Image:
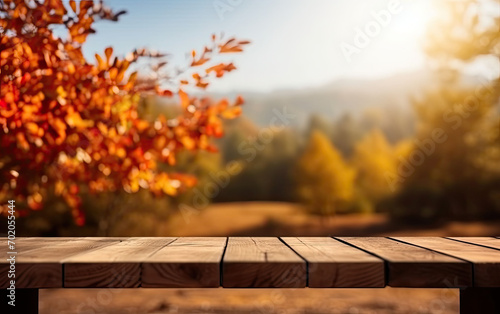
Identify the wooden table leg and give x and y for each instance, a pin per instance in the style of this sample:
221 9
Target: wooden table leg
26 301
480 300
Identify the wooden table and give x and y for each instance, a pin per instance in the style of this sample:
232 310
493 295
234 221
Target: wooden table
470 264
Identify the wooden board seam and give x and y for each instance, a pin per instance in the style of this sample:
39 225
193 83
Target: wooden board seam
142 264
464 260
221 263
199 271
63 265
307 263
386 264
262 262
473 243
449 255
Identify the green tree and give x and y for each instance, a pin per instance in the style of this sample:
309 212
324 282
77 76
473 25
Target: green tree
325 183
319 123
267 160
346 132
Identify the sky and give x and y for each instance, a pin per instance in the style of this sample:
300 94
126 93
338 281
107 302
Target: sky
295 43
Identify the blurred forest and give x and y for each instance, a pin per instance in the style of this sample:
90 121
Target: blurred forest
439 161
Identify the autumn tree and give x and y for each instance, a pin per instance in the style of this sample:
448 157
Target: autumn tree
459 175
325 182
374 160
68 123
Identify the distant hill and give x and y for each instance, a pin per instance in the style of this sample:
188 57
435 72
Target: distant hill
345 96
337 98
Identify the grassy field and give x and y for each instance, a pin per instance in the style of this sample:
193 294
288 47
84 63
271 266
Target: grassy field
284 219
273 219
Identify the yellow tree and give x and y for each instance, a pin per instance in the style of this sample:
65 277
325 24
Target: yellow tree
453 168
325 183
373 160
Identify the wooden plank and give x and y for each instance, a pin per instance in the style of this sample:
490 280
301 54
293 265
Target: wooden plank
26 244
486 261
490 242
57 251
41 267
51 239
45 274
112 266
185 263
331 263
263 262
414 267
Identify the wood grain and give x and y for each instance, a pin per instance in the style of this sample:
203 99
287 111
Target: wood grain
490 242
411 266
333 264
185 263
27 244
246 262
41 266
113 266
486 261
263 262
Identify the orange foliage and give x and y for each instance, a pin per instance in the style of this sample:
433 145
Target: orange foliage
67 122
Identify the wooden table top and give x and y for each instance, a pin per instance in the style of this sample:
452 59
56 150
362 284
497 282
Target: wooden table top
254 262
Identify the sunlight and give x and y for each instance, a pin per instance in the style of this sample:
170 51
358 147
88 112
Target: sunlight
397 46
